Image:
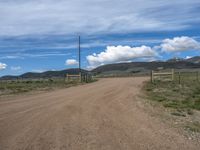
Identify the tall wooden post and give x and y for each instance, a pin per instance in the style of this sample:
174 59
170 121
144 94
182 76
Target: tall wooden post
79 56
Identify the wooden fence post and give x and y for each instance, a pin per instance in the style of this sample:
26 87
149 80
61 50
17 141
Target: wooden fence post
152 76
80 77
172 74
86 78
179 77
67 77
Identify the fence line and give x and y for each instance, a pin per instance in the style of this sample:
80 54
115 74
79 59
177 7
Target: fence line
72 76
169 75
172 75
81 77
181 76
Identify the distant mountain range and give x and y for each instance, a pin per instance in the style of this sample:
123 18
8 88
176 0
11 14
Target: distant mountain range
47 74
118 68
146 67
195 59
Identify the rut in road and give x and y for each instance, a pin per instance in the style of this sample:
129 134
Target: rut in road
105 115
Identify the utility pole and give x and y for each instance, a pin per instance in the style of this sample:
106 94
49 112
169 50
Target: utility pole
79 55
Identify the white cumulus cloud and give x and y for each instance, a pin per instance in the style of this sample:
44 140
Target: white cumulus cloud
2 66
15 68
188 57
71 62
114 54
178 44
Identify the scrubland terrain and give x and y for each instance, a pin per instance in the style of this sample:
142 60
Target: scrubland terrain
180 101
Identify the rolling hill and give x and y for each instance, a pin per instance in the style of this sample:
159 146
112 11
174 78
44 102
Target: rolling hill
118 68
146 67
143 67
47 74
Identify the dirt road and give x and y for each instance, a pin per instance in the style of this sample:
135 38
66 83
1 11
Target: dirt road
105 115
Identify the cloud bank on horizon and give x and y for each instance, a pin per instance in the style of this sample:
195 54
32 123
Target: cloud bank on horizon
115 54
42 34
179 44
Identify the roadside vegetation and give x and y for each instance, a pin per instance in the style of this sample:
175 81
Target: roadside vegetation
181 96
22 86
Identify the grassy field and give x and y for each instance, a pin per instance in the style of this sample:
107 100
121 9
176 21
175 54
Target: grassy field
183 96
16 87
182 99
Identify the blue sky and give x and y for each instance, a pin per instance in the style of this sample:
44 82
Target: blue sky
40 35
